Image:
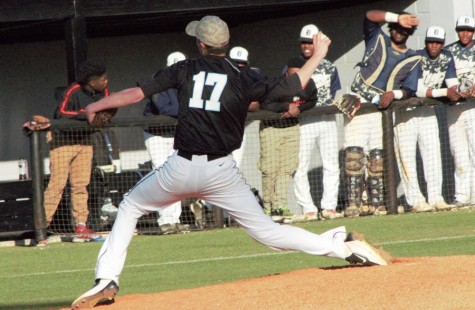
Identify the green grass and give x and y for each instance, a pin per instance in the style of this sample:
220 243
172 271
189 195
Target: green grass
51 277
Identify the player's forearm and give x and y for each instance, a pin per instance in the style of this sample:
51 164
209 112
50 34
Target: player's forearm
117 100
376 16
305 73
321 43
405 20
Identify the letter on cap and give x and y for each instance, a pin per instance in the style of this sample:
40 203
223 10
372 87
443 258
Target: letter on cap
435 34
239 53
307 33
465 22
175 57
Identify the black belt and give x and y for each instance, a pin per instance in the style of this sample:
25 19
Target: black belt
189 156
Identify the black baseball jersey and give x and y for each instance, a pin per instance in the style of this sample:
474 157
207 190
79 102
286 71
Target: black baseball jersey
214 96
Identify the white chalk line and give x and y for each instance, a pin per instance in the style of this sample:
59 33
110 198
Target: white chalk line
219 258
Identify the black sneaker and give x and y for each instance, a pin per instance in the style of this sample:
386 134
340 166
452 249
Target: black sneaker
102 292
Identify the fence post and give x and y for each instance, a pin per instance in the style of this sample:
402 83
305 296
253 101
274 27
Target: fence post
218 217
390 171
37 183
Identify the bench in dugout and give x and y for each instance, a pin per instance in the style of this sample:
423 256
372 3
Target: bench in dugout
16 206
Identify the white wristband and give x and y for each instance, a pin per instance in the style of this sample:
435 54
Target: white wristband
398 94
441 92
391 17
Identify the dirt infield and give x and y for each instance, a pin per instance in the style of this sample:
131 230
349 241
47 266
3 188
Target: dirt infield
408 283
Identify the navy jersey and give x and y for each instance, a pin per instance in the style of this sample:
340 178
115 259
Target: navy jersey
383 68
214 95
164 103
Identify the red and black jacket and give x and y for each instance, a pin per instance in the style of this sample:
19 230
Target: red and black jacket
72 106
75 100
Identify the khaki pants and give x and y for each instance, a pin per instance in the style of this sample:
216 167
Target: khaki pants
73 161
278 161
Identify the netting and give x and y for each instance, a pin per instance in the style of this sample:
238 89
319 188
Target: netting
321 162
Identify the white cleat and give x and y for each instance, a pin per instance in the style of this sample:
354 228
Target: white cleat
363 252
102 291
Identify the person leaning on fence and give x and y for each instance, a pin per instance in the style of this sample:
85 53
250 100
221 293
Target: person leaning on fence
318 131
71 151
279 141
418 126
461 116
385 59
159 144
214 97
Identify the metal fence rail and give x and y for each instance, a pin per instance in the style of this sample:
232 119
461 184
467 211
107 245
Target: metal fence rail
122 161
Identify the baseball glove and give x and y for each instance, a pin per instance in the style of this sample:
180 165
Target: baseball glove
348 104
36 123
103 117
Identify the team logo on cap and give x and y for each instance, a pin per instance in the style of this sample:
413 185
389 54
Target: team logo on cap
465 22
435 34
175 57
239 53
307 32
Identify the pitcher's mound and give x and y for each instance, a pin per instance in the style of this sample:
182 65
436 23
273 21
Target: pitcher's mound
408 283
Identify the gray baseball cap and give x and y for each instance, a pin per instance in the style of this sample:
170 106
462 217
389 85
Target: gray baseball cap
211 30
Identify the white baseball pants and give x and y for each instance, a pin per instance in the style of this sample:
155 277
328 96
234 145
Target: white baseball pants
239 153
419 126
159 148
219 182
470 127
321 132
459 147
365 131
